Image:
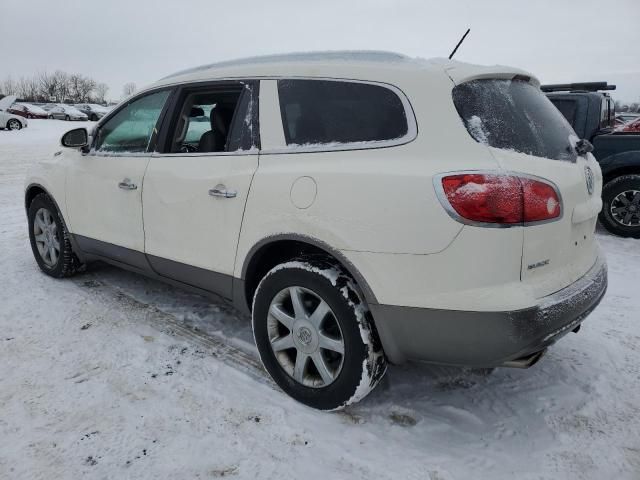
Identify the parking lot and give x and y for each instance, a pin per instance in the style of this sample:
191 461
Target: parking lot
113 375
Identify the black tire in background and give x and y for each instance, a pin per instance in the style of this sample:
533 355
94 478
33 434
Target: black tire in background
67 118
94 117
67 263
14 124
363 363
613 196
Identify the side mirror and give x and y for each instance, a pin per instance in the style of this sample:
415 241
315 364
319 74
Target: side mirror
583 147
75 138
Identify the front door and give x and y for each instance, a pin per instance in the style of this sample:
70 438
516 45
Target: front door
196 187
104 187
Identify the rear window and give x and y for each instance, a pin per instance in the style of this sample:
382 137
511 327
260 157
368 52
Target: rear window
567 108
514 115
333 112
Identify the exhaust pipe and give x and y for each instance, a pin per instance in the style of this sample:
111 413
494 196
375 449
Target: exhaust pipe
526 361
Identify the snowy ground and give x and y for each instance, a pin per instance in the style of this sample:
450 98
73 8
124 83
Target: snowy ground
111 375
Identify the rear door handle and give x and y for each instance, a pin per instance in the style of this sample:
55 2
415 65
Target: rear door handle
221 191
127 184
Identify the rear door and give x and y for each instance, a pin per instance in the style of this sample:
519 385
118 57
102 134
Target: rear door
196 187
528 135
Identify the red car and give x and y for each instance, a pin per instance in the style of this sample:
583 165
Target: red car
633 126
27 110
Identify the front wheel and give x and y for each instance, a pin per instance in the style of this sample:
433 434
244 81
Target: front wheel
14 124
49 239
315 334
621 206
67 118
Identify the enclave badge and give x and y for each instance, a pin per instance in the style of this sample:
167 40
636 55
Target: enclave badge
588 173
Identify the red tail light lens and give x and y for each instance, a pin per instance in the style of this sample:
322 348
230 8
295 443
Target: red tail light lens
501 199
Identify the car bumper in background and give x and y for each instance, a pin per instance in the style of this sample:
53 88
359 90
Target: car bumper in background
488 339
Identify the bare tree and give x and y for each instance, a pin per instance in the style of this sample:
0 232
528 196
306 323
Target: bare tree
101 92
129 89
9 86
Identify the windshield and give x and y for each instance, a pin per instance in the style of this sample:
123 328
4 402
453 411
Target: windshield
514 115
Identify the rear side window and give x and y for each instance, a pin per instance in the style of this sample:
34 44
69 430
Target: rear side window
320 112
567 108
514 115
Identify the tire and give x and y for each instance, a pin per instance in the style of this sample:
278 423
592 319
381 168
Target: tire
14 124
66 117
50 117
94 117
615 193
350 375
66 262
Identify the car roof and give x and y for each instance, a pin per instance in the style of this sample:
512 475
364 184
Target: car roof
353 64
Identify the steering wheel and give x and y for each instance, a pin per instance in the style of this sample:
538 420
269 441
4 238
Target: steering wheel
186 148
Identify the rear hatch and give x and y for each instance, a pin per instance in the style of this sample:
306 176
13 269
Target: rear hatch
528 136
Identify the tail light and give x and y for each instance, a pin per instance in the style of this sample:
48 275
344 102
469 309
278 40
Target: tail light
496 199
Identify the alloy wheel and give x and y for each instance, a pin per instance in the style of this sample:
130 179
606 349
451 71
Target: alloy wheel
625 208
305 337
47 238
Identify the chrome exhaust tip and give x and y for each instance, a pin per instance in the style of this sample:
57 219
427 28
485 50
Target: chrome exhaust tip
526 361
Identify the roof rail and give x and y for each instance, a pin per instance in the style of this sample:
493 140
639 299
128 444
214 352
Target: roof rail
577 87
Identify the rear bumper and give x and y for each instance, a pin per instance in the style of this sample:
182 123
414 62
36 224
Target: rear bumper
487 339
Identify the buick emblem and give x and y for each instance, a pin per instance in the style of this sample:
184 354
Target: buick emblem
304 335
588 173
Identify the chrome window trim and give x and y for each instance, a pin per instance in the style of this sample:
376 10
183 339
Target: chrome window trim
444 201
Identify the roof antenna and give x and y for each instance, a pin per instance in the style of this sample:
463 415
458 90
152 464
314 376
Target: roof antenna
459 43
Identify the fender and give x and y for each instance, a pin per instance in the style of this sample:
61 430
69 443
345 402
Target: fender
238 288
620 161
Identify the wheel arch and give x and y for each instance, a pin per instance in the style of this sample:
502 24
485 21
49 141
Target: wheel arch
620 171
276 249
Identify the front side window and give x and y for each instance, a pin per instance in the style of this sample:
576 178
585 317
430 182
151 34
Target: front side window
514 115
214 119
321 112
131 129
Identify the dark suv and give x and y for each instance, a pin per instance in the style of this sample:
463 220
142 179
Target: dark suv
590 110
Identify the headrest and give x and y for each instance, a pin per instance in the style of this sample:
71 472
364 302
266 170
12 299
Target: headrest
221 119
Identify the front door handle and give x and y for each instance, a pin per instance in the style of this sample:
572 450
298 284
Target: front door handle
127 184
221 191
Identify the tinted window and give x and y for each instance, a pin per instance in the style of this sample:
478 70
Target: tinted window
322 111
514 115
131 128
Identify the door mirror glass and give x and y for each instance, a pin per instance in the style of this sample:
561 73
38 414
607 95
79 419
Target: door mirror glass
75 138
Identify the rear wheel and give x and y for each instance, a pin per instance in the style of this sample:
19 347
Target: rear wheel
14 124
315 334
49 239
621 206
94 117
66 117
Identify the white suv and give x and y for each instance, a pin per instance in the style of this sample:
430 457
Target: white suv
365 207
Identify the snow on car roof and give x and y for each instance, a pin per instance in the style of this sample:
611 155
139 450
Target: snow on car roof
363 64
337 55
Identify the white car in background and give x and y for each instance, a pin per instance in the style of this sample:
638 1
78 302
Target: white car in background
66 112
364 207
9 120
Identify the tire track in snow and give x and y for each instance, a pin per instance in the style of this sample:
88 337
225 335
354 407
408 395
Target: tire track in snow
214 345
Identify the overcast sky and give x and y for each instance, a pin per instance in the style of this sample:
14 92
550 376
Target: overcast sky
119 41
